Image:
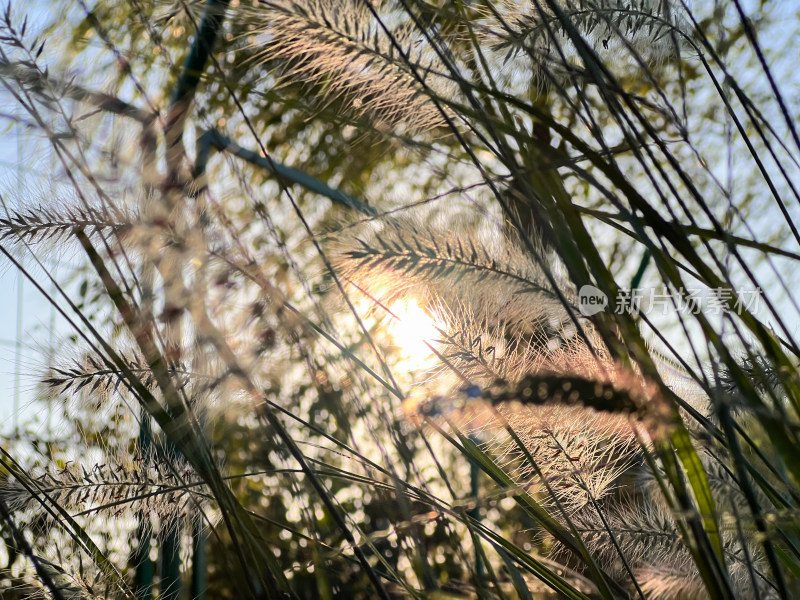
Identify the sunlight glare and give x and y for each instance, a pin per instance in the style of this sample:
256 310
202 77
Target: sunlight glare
410 331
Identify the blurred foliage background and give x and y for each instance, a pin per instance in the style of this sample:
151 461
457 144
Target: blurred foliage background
250 251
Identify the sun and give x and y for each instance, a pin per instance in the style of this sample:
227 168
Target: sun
413 331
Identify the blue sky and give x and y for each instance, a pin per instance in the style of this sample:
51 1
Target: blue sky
26 319
30 328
